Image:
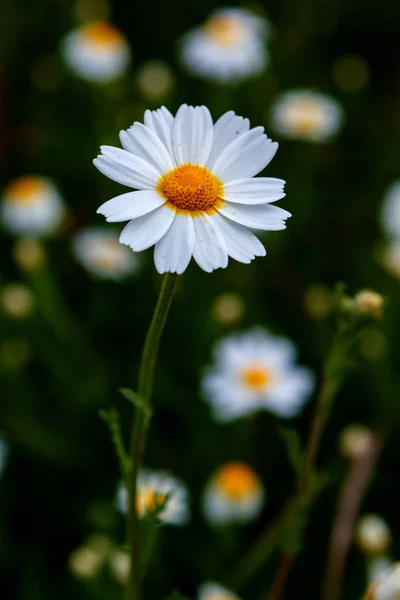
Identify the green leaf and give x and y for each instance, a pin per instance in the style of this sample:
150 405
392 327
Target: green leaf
111 418
139 402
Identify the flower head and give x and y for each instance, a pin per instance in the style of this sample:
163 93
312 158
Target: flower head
256 371
391 211
153 489
213 591
97 52
234 494
230 46
31 206
197 196
100 252
306 115
387 586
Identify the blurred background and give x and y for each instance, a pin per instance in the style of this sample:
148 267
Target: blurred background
73 320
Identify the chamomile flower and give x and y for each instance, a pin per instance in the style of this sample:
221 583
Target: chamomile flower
153 488
31 205
234 494
386 586
256 371
229 46
99 251
391 211
213 591
97 52
197 192
306 115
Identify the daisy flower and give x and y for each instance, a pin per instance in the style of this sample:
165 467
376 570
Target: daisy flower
197 196
306 115
256 371
31 205
153 487
387 586
99 251
391 211
229 46
373 534
213 591
97 52
234 494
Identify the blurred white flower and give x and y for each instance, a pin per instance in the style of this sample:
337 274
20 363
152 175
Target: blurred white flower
234 494
256 371
97 52
213 591
387 586
99 251
155 80
373 534
229 46
153 488
31 205
391 211
306 115
377 566
390 258
198 195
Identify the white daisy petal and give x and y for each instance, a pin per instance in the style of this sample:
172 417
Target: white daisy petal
226 130
210 250
254 191
161 123
242 244
143 232
134 169
130 206
192 135
174 250
246 156
142 142
260 216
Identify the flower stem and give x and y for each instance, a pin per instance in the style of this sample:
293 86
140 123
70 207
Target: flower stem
141 425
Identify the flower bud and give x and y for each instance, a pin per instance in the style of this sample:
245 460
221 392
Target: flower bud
370 303
29 254
16 300
373 534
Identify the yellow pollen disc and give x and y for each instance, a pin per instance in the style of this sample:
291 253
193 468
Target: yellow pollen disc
224 30
237 480
191 188
25 190
102 34
257 377
307 117
147 500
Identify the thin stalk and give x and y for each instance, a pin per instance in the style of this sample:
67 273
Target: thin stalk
141 425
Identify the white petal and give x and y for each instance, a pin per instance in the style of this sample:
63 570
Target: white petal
209 247
258 190
174 250
192 135
143 232
134 169
242 244
260 216
226 130
130 206
161 122
246 156
142 142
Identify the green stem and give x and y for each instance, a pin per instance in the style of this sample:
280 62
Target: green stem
141 425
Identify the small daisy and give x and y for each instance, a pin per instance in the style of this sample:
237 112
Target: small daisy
97 52
306 115
214 591
197 192
31 205
99 251
387 586
256 371
230 46
234 494
389 258
391 211
153 487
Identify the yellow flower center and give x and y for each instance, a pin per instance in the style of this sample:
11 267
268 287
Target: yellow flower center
191 188
307 117
257 377
102 34
237 480
109 255
224 30
147 501
25 190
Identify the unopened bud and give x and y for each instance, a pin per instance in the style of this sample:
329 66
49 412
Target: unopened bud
16 300
373 534
370 303
354 441
29 254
